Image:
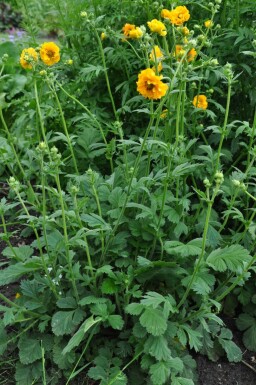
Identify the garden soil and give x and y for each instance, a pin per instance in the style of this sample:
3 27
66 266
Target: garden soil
209 373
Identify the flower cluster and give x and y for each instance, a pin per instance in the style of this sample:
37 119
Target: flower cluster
177 16
131 31
49 53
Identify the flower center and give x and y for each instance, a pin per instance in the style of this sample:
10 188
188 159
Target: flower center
50 54
150 86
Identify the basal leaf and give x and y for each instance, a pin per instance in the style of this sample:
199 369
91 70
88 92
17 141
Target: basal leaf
159 373
230 258
29 350
157 347
153 321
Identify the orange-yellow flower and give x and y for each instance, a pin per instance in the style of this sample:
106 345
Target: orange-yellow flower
179 15
157 27
17 295
200 101
185 31
208 23
165 13
156 53
150 85
28 58
179 51
159 68
131 31
191 55
50 53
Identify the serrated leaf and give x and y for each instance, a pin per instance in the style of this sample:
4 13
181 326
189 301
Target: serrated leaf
14 272
79 335
182 381
234 353
67 303
64 361
108 286
159 373
230 258
176 364
116 322
153 299
22 253
194 338
248 323
157 347
29 350
64 322
153 321
134 308
88 300
28 374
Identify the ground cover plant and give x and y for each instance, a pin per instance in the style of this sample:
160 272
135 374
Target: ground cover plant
132 169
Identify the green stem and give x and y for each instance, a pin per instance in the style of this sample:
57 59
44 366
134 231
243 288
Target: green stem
41 121
16 156
87 250
197 267
91 116
237 281
125 367
7 238
106 74
64 124
39 245
223 132
64 225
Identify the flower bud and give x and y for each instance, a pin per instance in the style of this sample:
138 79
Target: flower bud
207 183
74 189
236 183
219 177
83 14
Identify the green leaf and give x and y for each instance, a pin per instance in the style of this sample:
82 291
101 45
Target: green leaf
134 308
108 286
234 353
185 250
230 258
64 322
28 374
88 300
182 381
64 361
159 373
29 350
67 303
14 272
153 321
176 364
116 322
96 221
153 299
194 338
79 335
3 338
22 253
157 347
248 323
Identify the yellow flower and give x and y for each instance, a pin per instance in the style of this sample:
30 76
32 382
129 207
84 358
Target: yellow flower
156 53
103 36
150 85
208 23
179 15
165 13
200 101
179 51
17 295
191 55
131 31
157 26
185 31
28 58
164 114
136 33
159 67
50 53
